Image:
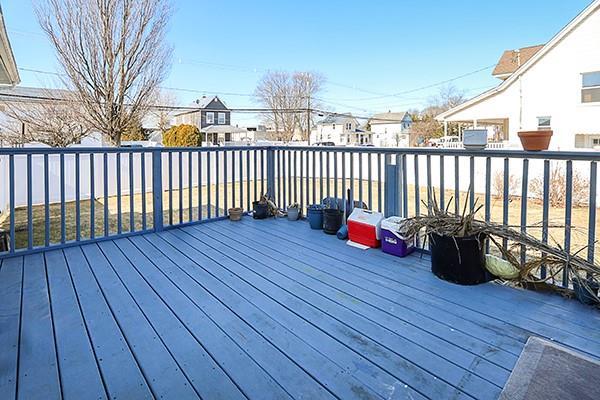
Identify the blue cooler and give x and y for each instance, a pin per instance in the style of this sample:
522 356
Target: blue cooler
391 241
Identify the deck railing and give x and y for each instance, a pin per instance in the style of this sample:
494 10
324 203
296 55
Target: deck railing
53 198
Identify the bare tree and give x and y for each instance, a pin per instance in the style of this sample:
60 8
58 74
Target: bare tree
57 123
113 53
164 114
289 97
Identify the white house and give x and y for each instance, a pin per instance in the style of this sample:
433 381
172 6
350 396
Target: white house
391 129
9 75
554 86
341 130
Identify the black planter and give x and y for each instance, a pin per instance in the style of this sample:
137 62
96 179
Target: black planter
332 220
459 260
261 210
583 295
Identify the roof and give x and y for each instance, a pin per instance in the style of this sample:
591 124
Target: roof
570 27
9 75
202 104
388 118
511 60
223 129
335 119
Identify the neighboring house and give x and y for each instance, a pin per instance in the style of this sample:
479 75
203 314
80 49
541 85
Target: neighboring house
555 86
213 118
342 130
391 129
9 74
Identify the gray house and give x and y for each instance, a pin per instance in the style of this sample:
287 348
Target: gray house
213 118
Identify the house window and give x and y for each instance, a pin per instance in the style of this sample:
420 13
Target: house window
221 118
595 142
334 126
590 91
210 118
349 126
544 123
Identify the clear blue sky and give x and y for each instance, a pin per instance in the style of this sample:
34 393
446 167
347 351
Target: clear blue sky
385 47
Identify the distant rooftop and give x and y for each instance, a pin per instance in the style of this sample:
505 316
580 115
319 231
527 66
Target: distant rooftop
335 119
511 60
388 118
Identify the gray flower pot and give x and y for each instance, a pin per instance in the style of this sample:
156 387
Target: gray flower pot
293 213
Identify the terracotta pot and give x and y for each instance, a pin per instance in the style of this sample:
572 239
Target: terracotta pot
535 140
235 214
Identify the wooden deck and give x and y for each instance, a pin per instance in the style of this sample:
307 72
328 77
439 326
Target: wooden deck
261 310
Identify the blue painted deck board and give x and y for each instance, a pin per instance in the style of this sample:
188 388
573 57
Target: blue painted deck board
499 307
261 309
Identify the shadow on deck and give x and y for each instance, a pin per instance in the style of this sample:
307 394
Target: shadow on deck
260 310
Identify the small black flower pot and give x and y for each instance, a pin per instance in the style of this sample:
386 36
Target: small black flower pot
459 260
332 220
583 295
261 210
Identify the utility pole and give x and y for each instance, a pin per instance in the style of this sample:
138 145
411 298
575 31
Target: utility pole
308 118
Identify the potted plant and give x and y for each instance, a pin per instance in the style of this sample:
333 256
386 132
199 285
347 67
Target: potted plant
315 216
260 208
535 140
293 212
333 217
235 213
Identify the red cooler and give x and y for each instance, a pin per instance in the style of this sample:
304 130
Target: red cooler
364 227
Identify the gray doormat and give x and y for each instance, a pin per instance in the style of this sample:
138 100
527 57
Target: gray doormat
547 371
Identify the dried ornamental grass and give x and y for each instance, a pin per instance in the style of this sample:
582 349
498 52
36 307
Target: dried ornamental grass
539 254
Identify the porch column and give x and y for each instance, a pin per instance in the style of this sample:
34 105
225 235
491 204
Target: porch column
445 128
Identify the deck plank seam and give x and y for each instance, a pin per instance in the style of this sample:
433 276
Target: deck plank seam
210 318
112 315
182 370
545 325
85 324
343 344
475 355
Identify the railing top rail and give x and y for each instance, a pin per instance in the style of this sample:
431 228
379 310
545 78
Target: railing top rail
102 150
493 153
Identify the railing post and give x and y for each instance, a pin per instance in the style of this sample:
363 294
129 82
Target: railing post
157 191
271 171
392 188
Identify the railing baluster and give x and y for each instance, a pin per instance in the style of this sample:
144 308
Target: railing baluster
170 156
295 176
351 184
404 185
328 156
199 188
217 182
180 185
278 178
314 177
225 184
233 178
472 183
11 194
301 181
568 221
208 187
92 196
370 181
360 179
63 230
284 158
524 186
592 211
307 178
344 200
506 197
429 184
241 162
29 202
143 189
131 195
77 200
545 211
46 202
263 160
255 177
442 184
190 187
457 185
488 196
157 191
321 192
379 183
417 188
105 187
119 210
